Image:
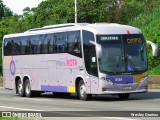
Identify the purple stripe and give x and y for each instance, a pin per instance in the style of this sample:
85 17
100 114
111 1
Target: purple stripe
123 79
53 88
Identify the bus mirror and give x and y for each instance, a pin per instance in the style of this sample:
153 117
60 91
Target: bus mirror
154 48
98 48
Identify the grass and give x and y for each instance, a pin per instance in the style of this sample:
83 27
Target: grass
155 71
7 118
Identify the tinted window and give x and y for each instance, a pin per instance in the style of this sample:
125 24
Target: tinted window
45 38
87 36
24 42
74 43
89 53
61 42
7 47
15 46
52 47
34 44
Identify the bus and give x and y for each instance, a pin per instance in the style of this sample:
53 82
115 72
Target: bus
81 58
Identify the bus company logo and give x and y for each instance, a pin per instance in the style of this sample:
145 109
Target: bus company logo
72 62
12 67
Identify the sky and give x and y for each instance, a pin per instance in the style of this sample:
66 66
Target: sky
17 6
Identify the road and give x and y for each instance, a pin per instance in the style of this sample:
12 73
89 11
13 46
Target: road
150 101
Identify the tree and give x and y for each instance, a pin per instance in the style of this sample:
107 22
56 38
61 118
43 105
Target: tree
1 9
4 11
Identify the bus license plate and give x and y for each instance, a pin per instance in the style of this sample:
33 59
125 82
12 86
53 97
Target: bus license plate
127 88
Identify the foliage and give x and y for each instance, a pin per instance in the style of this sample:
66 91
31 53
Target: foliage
143 14
149 24
155 71
4 11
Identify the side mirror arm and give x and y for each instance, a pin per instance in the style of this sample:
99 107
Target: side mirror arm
154 47
98 48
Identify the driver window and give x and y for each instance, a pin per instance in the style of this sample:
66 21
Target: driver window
89 53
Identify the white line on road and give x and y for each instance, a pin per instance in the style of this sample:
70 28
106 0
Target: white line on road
5 92
19 108
34 99
118 118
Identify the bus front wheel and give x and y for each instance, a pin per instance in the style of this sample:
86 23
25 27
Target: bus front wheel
82 91
20 87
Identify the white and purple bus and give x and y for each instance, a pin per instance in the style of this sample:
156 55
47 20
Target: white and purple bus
82 58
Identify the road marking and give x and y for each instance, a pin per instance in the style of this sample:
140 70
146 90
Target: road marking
16 108
34 99
118 118
5 92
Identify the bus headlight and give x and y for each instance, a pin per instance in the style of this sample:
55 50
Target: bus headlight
143 79
108 80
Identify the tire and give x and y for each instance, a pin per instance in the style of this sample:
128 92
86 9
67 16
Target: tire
28 91
124 96
82 91
20 89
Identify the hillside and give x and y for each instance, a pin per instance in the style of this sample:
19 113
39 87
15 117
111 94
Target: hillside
149 23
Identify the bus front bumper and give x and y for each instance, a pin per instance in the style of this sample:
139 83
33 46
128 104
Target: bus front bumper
106 88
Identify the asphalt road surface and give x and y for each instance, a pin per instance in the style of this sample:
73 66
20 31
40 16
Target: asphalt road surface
96 108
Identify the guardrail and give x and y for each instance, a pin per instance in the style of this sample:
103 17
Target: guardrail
154 82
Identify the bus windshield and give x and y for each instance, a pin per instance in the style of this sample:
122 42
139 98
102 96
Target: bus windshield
122 53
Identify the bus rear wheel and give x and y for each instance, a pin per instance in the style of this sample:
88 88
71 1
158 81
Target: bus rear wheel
124 96
20 88
28 91
82 91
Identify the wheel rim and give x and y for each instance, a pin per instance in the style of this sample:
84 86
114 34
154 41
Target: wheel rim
20 88
27 88
82 90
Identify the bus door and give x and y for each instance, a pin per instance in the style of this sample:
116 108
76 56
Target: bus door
93 69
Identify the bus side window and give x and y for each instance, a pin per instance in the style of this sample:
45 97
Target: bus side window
15 46
40 43
23 46
52 44
34 44
7 47
28 45
46 39
61 43
74 43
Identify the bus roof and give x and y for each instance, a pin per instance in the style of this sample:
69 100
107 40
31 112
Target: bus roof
112 28
97 28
